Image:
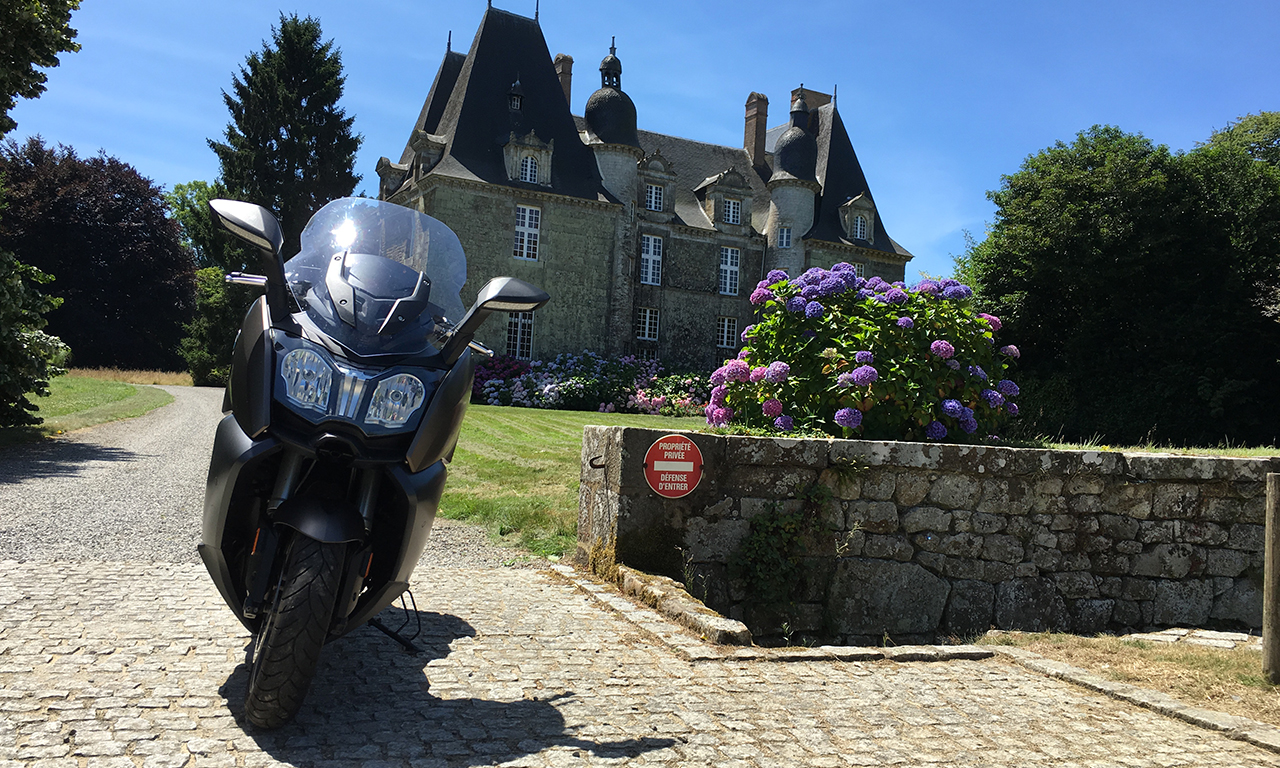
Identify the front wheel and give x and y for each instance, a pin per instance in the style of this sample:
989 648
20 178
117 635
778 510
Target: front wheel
287 647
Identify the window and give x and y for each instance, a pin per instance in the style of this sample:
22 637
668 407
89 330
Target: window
859 228
647 354
650 260
732 211
528 221
860 269
653 197
514 103
726 332
784 237
529 169
520 335
729 258
647 324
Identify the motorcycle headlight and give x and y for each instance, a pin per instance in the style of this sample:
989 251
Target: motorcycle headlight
395 400
308 379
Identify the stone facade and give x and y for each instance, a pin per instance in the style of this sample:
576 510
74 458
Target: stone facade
920 541
507 101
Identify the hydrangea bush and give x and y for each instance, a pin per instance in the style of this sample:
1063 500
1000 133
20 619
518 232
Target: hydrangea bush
589 382
865 358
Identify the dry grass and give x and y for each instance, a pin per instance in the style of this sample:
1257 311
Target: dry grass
1228 681
172 378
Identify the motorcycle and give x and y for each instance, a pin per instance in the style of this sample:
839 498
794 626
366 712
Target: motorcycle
349 381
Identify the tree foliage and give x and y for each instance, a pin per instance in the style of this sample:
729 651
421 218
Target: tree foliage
28 356
210 336
35 32
289 147
1139 285
1258 135
102 231
211 246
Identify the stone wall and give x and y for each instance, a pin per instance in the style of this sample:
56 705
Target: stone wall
922 541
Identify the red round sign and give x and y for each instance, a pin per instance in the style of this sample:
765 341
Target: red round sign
673 466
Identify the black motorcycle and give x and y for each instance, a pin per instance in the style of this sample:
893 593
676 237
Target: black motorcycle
348 385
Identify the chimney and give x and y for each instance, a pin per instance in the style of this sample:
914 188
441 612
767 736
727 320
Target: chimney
757 125
564 71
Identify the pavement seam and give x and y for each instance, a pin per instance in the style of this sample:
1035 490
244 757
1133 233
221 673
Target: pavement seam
1233 726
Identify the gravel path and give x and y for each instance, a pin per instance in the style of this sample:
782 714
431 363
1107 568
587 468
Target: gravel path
134 490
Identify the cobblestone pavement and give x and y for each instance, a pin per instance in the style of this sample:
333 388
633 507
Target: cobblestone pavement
105 665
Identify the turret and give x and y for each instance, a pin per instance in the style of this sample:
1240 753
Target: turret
611 130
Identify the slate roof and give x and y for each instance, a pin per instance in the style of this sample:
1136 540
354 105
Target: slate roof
475 119
694 162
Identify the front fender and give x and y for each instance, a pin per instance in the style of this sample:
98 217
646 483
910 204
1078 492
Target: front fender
331 521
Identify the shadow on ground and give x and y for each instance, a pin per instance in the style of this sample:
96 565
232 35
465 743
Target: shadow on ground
371 701
54 458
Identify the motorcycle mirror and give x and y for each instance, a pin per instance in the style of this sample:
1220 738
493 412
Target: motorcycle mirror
501 294
251 223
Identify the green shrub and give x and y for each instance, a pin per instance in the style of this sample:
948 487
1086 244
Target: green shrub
866 358
210 336
28 356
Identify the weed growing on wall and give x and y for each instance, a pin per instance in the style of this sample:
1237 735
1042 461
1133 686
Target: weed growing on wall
865 358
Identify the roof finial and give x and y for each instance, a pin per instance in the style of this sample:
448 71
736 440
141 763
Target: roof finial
613 45
835 93
536 3
448 43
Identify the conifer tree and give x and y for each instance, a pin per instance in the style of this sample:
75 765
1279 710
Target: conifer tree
289 146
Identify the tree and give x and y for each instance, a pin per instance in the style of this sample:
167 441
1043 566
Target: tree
102 231
1258 135
28 356
35 32
211 246
210 336
1136 284
289 147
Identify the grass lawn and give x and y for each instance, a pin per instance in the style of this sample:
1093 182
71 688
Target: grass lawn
1213 678
78 401
516 471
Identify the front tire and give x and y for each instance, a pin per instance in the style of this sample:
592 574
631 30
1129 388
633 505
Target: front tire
287 647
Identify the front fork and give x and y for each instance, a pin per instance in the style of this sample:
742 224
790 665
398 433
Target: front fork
262 556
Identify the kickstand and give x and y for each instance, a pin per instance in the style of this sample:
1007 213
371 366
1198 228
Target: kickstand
394 634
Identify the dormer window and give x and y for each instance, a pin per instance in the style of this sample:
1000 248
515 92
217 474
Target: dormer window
732 211
653 197
859 228
514 103
529 170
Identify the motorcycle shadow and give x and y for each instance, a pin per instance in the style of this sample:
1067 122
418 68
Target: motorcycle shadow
370 700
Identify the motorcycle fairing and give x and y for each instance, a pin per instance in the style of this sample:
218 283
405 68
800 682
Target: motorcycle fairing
252 366
438 434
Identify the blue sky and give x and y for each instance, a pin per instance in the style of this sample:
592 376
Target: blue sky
940 98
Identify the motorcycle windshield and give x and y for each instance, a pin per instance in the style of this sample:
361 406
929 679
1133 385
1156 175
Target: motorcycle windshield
360 277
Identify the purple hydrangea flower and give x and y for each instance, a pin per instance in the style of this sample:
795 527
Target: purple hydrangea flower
942 349
771 408
865 293
796 304
993 398
775 276
717 376
757 374
1011 351
814 310
844 266
1012 408
844 380
950 282
717 395
953 365
957 292
952 408
810 292
832 286
1007 388
906 322
929 288
809 333
976 371
864 375
992 321
849 417
936 430
777 372
896 296
761 295
783 423
864 357
719 417
737 370
746 332
762 284
967 421
744 353
875 283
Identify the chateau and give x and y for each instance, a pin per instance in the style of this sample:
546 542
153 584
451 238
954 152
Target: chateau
648 244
